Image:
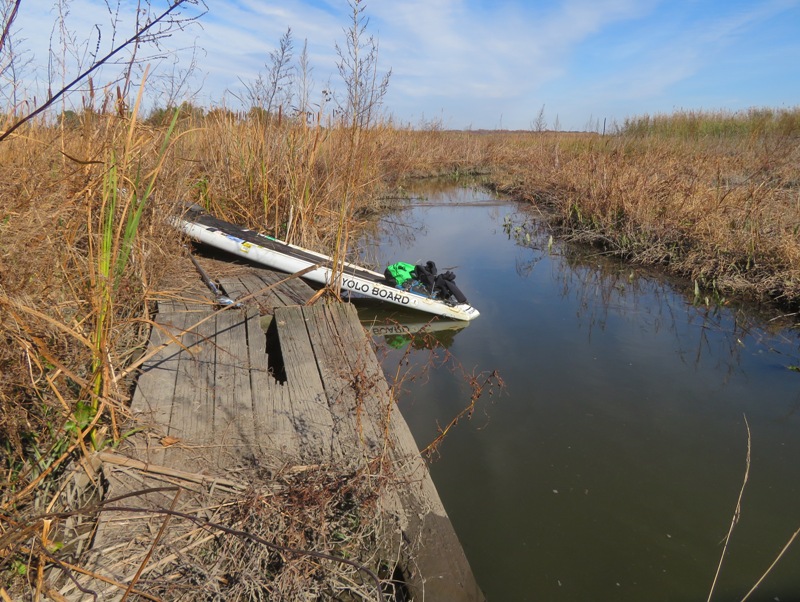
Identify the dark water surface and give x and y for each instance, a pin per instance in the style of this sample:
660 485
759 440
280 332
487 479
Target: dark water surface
610 466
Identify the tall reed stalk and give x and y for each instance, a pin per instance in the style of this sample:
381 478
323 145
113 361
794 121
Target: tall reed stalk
358 68
119 226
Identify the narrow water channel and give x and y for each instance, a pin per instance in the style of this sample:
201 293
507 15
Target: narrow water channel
609 466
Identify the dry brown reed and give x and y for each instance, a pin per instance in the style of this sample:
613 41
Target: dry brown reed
722 209
284 177
303 531
76 292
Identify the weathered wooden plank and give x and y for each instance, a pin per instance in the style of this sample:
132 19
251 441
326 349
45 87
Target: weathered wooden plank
268 289
236 289
251 284
362 394
311 414
193 400
233 401
285 292
232 286
275 435
341 359
295 291
195 378
196 300
152 399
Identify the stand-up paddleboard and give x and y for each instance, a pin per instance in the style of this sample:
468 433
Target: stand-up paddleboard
276 254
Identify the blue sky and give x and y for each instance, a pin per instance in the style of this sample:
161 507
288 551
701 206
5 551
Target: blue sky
485 65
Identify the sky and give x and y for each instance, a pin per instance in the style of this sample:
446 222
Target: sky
474 64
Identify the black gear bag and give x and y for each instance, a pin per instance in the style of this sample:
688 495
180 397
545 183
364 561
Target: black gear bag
442 285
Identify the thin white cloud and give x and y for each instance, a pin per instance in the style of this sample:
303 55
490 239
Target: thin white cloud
486 59
476 62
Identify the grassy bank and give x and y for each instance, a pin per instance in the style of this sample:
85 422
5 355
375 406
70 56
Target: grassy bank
85 245
711 197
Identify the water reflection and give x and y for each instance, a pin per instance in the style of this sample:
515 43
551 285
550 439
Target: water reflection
611 466
603 287
398 329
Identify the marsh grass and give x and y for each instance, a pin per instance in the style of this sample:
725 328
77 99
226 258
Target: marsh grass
696 125
722 209
85 244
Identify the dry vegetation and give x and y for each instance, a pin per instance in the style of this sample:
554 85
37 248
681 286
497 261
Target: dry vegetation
713 197
305 533
85 247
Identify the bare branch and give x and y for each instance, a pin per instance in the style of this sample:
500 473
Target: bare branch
266 89
12 64
145 33
358 68
8 23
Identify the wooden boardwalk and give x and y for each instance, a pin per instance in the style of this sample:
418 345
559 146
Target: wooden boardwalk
276 383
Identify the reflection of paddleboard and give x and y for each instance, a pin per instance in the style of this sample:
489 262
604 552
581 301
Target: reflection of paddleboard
273 253
379 329
402 326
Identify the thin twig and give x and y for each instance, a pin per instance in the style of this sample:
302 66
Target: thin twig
774 562
149 554
50 101
736 514
200 479
67 567
8 24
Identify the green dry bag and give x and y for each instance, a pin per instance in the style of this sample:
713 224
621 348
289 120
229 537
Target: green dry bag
399 272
